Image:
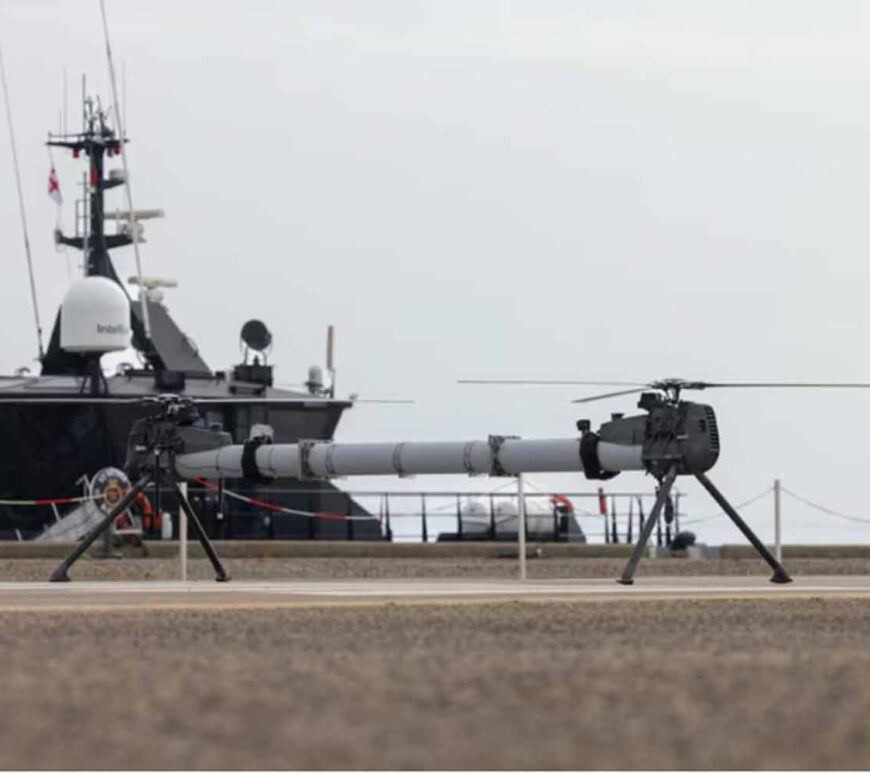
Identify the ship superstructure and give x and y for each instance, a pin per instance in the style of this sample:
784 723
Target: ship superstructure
69 422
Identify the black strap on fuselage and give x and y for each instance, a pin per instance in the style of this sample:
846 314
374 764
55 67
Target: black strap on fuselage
589 456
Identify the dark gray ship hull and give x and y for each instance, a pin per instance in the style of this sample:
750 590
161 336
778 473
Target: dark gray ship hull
50 444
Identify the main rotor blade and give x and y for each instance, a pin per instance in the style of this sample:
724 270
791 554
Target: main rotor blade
547 382
774 385
610 394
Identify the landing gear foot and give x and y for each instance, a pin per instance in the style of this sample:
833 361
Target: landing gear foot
780 576
59 577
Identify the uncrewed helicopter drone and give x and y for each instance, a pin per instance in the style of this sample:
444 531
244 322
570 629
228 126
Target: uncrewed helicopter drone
676 437
672 437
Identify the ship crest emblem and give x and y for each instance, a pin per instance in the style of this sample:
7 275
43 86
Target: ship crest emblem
107 487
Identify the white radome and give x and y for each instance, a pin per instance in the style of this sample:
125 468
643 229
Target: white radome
95 316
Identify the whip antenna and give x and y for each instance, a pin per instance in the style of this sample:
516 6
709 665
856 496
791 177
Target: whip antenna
330 358
21 207
119 119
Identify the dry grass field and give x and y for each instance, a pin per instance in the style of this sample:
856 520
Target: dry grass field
633 684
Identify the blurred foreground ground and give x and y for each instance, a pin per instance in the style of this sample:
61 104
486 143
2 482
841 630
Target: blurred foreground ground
628 684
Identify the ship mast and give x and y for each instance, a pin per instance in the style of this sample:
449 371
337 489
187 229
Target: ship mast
97 141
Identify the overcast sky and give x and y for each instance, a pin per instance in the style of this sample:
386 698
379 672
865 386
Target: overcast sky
594 190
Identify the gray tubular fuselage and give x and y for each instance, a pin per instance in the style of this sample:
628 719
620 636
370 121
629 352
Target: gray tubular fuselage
317 459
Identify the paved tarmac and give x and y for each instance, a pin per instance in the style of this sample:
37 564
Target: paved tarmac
243 594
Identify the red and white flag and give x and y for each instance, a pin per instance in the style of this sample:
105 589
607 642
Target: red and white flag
54 187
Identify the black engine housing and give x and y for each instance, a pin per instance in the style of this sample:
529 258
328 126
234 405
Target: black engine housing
681 433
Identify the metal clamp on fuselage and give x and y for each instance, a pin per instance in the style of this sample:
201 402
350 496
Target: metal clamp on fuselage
397 461
305 471
495 444
467 462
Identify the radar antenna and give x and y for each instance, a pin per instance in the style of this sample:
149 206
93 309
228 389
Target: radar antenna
256 337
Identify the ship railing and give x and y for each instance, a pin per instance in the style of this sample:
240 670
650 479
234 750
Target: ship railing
393 515
426 516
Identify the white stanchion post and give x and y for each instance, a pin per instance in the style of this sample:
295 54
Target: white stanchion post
521 524
777 521
182 533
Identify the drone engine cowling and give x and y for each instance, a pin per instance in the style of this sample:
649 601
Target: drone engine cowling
682 433
688 431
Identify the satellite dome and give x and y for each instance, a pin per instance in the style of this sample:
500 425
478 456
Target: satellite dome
315 379
95 317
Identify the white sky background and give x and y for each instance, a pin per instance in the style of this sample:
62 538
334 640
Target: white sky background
590 190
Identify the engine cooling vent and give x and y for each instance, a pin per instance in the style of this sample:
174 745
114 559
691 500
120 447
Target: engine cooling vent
713 427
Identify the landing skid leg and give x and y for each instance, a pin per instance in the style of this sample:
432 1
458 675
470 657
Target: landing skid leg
60 572
779 573
664 490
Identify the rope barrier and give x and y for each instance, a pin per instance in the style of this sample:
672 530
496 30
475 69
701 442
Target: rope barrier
59 501
748 502
822 509
280 508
